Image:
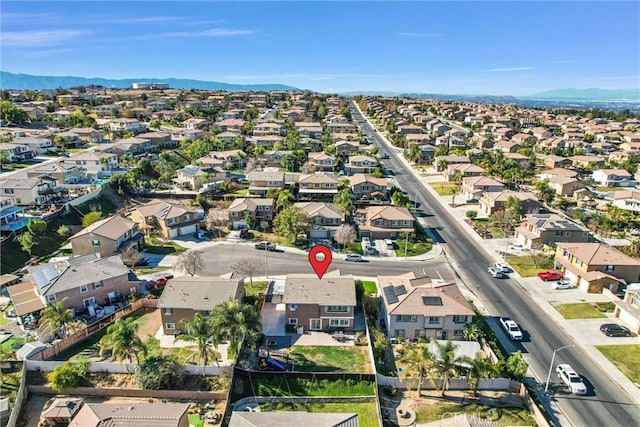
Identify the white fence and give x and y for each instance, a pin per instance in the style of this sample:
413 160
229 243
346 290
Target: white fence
80 200
454 383
124 368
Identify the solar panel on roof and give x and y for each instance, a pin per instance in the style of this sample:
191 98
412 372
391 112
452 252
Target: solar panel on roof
400 290
432 300
390 294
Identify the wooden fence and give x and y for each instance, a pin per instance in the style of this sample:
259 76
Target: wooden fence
132 392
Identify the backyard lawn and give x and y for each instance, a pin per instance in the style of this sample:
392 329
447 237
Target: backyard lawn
581 310
413 248
368 286
257 287
444 188
504 416
367 411
101 204
625 357
328 359
161 247
525 266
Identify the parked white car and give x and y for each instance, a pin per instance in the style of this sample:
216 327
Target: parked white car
511 328
353 257
563 284
571 379
502 266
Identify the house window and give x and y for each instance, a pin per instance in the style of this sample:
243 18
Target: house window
8 190
293 320
400 333
406 318
559 233
610 268
293 307
83 289
566 254
169 325
336 309
338 322
95 242
579 262
459 319
434 320
51 298
168 311
97 285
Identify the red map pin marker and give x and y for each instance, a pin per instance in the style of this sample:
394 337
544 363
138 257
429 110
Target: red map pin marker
320 257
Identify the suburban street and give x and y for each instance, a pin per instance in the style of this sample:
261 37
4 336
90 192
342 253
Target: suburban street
606 404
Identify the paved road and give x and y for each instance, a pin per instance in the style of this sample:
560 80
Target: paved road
607 404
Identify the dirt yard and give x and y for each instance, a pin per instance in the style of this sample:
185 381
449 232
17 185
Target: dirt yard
149 323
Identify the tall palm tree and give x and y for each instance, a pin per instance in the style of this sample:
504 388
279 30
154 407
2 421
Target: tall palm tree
420 362
200 330
236 323
472 332
56 316
123 341
478 368
446 362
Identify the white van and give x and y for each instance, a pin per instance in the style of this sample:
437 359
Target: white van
389 244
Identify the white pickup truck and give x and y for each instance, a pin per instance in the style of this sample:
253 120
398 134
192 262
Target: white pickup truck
511 328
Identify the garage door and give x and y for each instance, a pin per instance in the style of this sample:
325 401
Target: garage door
190 229
238 225
318 234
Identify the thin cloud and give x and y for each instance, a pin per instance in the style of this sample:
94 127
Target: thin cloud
30 53
507 69
420 35
39 37
214 32
147 19
562 61
305 76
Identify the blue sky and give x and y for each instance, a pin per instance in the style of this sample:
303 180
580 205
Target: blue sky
453 47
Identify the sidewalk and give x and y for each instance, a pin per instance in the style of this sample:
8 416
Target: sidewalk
577 330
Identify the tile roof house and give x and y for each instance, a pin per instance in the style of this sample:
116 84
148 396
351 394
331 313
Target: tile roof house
628 200
96 164
318 304
31 191
367 187
464 169
474 187
62 173
553 161
318 186
593 266
386 222
132 414
260 209
613 178
260 182
415 306
628 309
495 201
165 219
108 237
324 218
16 152
227 160
193 177
323 162
274 158
183 297
346 148
361 164
548 229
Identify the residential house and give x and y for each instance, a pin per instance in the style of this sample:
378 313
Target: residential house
427 153
539 230
506 146
549 173
10 215
61 172
361 164
524 139
492 202
628 309
267 128
367 187
613 178
130 414
587 161
193 177
188 134
165 219
274 158
309 129
414 306
228 138
231 125
195 123
95 164
564 186
553 161
474 187
341 128
418 139
347 148
16 152
261 182
107 237
442 162
318 186
481 142
540 132
462 170
125 125
32 191
133 145
293 418
62 410
156 138
319 304
593 266
628 200
410 130
324 218
523 162
37 145
183 297
386 222
267 141
245 208
323 162
227 160
88 135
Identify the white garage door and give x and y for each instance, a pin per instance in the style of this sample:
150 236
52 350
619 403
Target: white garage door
189 229
238 225
318 234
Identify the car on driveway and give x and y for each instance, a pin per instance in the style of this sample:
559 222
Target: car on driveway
495 273
511 328
549 275
199 235
571 379
615 330
353 257
502 266
264 245
563 284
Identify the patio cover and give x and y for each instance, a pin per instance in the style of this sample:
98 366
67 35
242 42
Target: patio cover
24 298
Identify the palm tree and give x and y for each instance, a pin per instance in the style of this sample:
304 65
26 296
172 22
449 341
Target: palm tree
420 361
200 331
237 324
446 362
56 316
478 368
472 332
123 341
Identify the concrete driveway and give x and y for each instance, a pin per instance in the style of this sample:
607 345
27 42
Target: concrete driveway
273 319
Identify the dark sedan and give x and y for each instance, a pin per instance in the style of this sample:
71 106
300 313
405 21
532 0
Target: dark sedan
615 330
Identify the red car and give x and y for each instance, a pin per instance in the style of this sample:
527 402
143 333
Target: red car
550 275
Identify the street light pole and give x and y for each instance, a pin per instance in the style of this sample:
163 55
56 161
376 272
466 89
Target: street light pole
546 386
266 264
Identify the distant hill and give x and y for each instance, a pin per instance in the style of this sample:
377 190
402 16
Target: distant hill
589 94
30 82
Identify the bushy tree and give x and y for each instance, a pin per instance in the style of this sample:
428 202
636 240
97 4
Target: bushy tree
90 218
516 367
63 231
26 242
236 323
472 214
158 373
37 227
69 374
345 235
291 222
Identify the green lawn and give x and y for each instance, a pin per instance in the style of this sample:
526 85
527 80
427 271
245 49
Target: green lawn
413 248
367 411
7 346
327 359
503 416
157 246
496 232
369 286
610 189
581 310
286 386
625 357
195 421
444 188
257 287
4 320
101 204
355 248
524 265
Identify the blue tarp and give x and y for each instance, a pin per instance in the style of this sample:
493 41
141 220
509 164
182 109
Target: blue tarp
275 363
